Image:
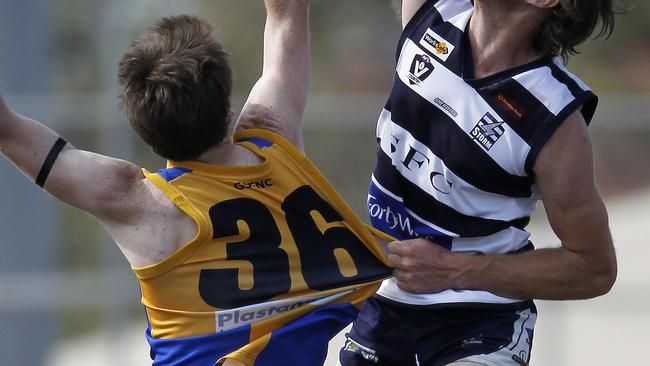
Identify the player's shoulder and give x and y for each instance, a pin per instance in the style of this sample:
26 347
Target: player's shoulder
456 12
125 195
558 89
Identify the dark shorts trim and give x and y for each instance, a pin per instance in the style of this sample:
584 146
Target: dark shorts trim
398 334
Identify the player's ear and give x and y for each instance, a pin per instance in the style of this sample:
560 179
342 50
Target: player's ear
544 4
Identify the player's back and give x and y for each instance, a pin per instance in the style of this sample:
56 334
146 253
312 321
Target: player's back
279 264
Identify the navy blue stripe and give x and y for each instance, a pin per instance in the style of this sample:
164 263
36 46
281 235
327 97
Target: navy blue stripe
429 209
589 107
588 103
445 139
551 126
454 36
466 62
518 107
508 73
564 78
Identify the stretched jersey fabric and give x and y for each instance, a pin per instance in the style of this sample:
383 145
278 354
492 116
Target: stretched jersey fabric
279 265
455 153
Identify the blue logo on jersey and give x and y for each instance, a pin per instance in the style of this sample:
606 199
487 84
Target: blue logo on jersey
421 68
390 216
488 131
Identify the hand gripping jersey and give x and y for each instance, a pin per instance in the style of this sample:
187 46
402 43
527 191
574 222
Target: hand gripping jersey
455 153
280 263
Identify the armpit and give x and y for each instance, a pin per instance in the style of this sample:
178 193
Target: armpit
258 116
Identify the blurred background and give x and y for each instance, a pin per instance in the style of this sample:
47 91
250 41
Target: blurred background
67 297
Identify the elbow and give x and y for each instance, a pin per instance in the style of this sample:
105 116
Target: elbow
605 276
609 279
5 116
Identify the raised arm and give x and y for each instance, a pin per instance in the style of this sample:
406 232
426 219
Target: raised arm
94 183
409 8
277 101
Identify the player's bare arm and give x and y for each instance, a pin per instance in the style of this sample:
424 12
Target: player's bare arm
409 8
583 267
277 101
565 176
112 190
94 183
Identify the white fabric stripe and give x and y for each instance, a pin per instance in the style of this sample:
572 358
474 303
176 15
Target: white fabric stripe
445 186
386 191
456 12
519 347
504 241
547 89
400 199
578 81
389 289
510 151
519 335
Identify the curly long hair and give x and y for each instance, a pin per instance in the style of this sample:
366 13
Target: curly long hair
572 22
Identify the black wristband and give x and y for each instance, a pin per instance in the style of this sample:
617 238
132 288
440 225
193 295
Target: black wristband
49 161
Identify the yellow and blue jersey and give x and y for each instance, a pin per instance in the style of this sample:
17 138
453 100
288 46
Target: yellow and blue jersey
279 265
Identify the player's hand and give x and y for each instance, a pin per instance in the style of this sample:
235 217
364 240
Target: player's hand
421 266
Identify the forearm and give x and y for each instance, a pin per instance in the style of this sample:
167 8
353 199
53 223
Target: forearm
285 8
549 274
286 46
277 101
286 54
584 267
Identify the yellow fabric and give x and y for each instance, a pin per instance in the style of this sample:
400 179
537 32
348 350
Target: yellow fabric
237 208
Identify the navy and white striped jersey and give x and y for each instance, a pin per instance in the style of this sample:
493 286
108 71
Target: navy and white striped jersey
455 153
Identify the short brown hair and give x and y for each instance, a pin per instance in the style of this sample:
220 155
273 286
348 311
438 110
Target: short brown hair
176 82
571 23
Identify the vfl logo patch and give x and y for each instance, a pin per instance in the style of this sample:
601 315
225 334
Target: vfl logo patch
436 44
487 131
421 69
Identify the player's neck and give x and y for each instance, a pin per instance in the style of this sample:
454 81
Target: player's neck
227 153
501 36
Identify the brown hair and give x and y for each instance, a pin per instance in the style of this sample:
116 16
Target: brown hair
176 82
571 23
